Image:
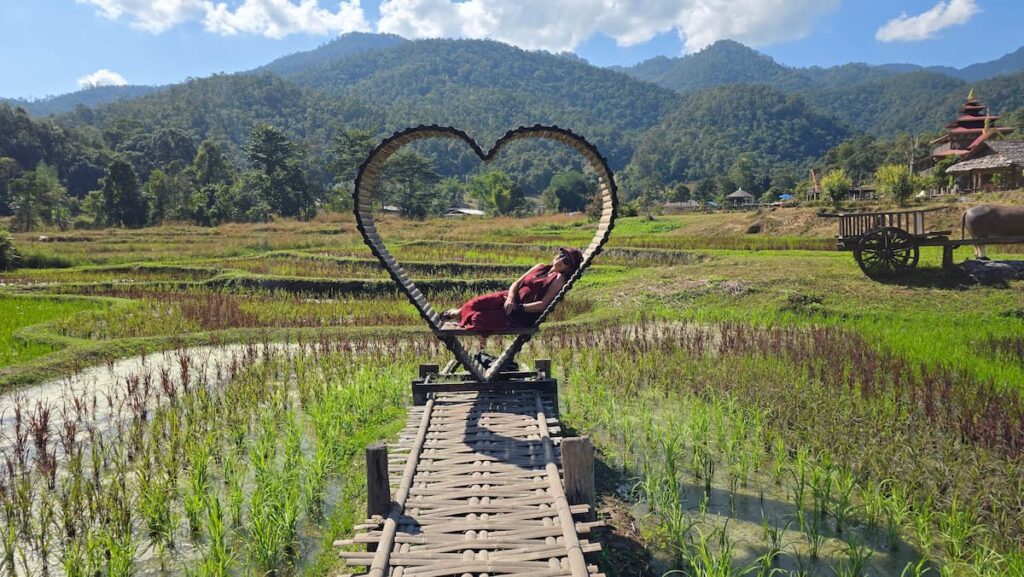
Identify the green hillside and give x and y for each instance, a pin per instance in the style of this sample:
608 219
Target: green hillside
712 128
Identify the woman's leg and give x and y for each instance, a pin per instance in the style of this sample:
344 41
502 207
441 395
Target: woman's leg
485 313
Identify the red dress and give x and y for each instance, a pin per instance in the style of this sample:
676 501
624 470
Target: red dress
486 313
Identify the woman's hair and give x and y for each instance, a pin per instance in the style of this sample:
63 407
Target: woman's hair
573 256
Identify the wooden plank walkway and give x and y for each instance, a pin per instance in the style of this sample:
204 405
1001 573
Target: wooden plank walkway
480 493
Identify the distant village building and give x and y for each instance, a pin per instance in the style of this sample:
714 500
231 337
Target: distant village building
973 126
740 198
461 211
990 165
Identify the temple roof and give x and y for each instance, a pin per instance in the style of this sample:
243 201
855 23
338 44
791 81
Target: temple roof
1001 154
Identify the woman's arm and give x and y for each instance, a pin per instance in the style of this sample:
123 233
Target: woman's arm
513 290
539 306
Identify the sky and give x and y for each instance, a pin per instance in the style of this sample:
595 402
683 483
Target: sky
57 46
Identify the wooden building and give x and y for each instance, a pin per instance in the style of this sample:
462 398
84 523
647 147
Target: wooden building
740 198
991 165
972 127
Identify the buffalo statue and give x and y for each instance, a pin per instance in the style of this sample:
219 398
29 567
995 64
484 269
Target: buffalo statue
992 221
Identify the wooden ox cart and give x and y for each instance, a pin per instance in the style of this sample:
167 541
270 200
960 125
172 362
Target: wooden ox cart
887 244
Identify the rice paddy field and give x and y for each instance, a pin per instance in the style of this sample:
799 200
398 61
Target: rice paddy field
196 401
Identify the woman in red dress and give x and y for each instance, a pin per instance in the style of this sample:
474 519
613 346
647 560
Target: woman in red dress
522 304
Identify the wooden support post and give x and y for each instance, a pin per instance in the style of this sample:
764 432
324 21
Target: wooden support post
543 366
419 398
578 472
947 255
378 486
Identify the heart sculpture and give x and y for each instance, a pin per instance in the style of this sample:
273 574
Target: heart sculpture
366 181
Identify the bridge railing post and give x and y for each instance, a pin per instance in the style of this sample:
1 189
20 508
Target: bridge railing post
578 473
378 485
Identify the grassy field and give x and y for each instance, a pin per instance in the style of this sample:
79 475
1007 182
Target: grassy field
758 404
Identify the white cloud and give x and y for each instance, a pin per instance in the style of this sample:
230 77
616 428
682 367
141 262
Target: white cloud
272 18
153 16
559 25
102 77
279 18
927 24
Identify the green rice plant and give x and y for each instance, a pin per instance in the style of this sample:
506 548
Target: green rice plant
897 509
873 502
822 483
857 562
919 569
923 520
706 463
198 485
815 536
958 527
677 525
780 458
218 559
773 535
710 559
155 506
843 508
120 554
9 541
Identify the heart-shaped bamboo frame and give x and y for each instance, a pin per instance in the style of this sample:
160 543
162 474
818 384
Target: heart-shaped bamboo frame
366 181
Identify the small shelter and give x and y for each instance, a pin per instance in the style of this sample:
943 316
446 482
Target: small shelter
993 164
460 211
740 198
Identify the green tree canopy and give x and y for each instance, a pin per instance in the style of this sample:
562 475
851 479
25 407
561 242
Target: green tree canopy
836 186
570 190
497 193
896 182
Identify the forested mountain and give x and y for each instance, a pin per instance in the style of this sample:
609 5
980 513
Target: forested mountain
286 138
85 97
340 47
881 100
487 88
710 129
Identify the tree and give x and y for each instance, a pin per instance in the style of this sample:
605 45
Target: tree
704 191
896 182
408 178
38 197
497 192
836 186
649 199
9 257
569 191
158 196
350 149
210 166
743 174
678 192
123 201
9 170
275 156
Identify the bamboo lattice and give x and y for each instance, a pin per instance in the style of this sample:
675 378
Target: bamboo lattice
480 494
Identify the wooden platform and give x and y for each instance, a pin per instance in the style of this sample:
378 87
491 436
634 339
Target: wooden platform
479 491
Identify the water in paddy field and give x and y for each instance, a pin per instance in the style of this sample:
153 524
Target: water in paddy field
95 395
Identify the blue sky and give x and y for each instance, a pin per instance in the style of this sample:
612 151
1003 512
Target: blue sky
54 46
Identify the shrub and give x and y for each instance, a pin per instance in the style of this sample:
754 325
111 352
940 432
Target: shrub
9 256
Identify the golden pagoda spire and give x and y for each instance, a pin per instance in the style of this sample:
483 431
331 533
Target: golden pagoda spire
970 95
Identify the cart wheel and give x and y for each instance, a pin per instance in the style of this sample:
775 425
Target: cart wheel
886 252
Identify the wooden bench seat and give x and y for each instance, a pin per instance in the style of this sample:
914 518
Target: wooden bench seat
464 332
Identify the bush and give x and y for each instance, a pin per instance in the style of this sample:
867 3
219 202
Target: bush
9 256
